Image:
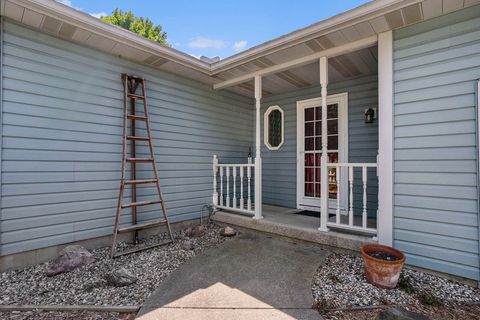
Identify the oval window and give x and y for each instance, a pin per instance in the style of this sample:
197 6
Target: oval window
273 133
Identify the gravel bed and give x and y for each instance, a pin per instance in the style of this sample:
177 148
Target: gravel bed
87 285
341 283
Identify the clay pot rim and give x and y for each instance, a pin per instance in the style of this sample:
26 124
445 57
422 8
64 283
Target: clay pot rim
379 247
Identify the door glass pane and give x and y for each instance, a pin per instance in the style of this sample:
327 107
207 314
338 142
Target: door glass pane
309 189
332 111
318 128
333 142
318 113
332 126
309 144
309 114
309 159
318 143
317 190
309 129
309 174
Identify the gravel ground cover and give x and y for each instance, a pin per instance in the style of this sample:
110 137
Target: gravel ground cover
340 283
80 315
87 285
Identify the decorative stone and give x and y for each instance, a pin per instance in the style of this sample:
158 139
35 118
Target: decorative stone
397 313
195 232
70 258
187 245
228 232
120 278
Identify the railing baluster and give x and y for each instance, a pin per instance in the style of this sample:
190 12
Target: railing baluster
234 173
215 187
221 186
350 210
337 178
364 181
249 175
241 188
227 169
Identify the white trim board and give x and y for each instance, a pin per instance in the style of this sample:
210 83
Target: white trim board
342 100
385 138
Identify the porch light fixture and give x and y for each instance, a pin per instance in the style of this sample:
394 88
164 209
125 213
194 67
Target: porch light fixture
370 115
273 133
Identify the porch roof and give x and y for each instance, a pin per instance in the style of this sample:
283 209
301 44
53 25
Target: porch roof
361 23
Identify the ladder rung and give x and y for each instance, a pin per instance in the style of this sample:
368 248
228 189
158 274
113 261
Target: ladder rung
140 203
135 96
138 138
142 226
140 181
119 254
134 117
139 159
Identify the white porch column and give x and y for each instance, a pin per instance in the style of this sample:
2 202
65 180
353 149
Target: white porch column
258 158
324 158
385 138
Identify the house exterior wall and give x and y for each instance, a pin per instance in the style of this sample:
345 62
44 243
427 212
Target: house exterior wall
436 66
62 140
280 166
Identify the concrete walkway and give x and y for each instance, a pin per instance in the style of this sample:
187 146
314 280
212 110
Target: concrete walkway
253 276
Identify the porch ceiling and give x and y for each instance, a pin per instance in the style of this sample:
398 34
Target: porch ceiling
351 65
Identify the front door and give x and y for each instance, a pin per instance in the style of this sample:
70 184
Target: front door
309 149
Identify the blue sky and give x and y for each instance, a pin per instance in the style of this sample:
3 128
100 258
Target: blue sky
222 27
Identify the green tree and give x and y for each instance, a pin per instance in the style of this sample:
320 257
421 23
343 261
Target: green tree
139 25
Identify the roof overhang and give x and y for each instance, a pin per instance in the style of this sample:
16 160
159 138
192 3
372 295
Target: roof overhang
363 23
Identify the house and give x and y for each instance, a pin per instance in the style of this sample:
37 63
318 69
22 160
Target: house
393 84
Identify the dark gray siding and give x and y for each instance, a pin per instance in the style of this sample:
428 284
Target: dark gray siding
280 167
436 65
62 125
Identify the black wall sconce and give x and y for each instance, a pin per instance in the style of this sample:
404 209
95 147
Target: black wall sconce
370 115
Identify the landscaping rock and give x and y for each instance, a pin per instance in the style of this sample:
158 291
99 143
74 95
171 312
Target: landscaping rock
228 232
70 258
120 278
195 232
400 314
187 245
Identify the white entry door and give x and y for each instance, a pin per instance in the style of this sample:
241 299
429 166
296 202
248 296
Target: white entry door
309 149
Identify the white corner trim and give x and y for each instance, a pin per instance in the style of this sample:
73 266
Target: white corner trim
266 127
385 138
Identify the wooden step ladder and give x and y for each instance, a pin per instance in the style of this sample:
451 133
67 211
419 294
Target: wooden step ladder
130 86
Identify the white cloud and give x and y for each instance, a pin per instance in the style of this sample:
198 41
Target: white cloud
69 3
99 14
239 45
202 42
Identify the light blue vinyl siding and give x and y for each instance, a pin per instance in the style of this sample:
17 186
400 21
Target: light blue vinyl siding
280 166
62 126
436 66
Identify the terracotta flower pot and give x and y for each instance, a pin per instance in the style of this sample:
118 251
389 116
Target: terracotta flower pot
380 272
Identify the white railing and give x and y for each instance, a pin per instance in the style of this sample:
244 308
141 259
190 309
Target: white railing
232 186
344 218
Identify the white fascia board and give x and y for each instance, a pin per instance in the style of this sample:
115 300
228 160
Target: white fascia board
87 22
